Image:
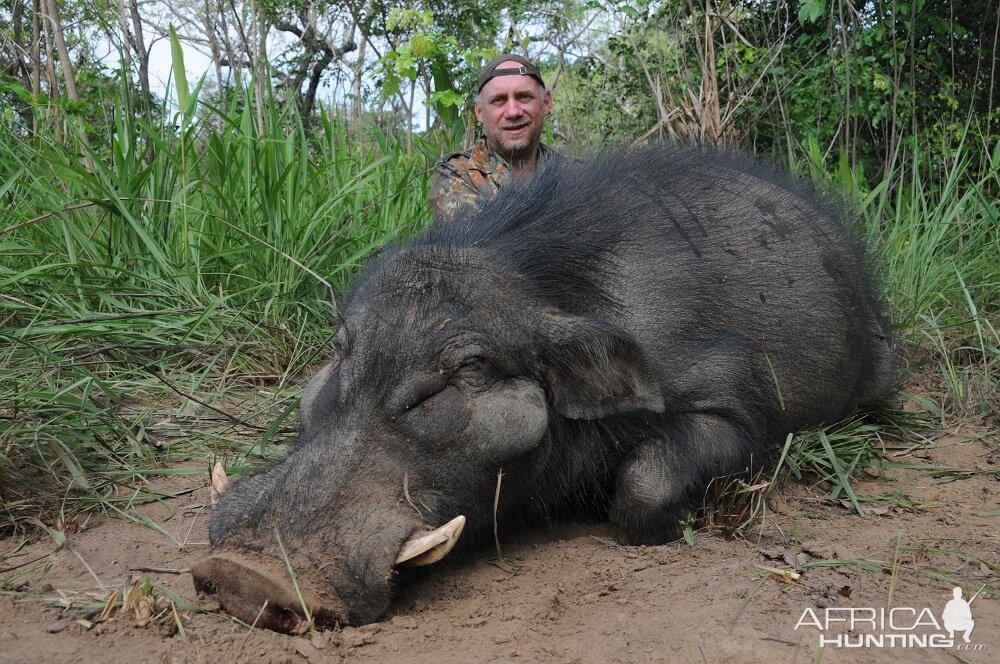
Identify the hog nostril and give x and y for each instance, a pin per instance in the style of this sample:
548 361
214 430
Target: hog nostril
281 619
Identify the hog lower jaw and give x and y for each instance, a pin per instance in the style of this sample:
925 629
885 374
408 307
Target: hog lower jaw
427 548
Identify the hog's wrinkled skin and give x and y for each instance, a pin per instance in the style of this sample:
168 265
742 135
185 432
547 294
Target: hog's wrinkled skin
611 336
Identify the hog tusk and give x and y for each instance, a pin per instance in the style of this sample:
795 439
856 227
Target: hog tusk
219 482
426 548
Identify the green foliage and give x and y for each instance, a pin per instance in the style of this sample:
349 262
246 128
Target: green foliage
84 26
427 47
811 11
941 242
871 80
426 44
192 264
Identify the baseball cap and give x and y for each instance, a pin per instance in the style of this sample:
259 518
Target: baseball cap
527 68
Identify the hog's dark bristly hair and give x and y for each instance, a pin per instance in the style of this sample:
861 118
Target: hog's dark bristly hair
556 214
560 212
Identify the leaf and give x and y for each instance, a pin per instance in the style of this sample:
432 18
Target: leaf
689 534
57 536
811 11
179 600
422 45
445 99
180 76
844 481
394 20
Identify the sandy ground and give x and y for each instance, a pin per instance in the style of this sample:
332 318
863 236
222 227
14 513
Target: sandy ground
568 594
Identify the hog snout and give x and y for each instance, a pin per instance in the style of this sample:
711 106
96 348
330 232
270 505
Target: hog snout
261 591
267 592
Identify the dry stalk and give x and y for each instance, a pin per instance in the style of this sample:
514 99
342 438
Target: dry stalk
496 504
406 494
263 607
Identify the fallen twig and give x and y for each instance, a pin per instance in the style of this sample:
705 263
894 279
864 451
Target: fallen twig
159 570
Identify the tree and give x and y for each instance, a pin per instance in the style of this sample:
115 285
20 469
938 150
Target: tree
42 62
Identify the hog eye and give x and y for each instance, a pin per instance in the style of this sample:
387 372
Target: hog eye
418 399
474 372
418 390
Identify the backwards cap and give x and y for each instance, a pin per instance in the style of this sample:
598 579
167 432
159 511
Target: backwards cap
490 71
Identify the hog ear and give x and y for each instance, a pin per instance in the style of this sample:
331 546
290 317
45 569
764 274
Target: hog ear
595 369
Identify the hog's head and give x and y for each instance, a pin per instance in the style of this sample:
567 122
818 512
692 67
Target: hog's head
449 367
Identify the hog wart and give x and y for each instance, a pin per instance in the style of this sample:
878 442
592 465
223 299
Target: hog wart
619 332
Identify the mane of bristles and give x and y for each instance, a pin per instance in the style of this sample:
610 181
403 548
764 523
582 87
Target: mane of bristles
560 231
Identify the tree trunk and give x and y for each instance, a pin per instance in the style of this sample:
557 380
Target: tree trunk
127 47
52 12
245 59
227 46
213 44
140 50
359 67
409 120
261 67
425 77
67 67
18 67
50 75
36 63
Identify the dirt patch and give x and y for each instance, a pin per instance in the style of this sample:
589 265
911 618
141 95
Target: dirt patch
568 594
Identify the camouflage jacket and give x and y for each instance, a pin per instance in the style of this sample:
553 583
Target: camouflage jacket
468 178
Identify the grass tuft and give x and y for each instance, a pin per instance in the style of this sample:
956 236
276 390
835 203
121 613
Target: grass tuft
161 298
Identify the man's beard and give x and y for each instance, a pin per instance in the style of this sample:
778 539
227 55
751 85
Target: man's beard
518 150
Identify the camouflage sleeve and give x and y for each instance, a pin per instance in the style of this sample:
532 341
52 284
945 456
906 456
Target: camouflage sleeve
450 192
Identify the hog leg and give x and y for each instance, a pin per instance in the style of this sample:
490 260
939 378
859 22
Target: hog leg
655 486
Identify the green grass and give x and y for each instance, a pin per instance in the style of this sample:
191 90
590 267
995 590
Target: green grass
940 245
828 457
160 298
926 557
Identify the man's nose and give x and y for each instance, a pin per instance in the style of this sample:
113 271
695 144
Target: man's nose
512 109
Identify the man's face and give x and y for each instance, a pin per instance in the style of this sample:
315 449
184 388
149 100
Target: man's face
512 110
